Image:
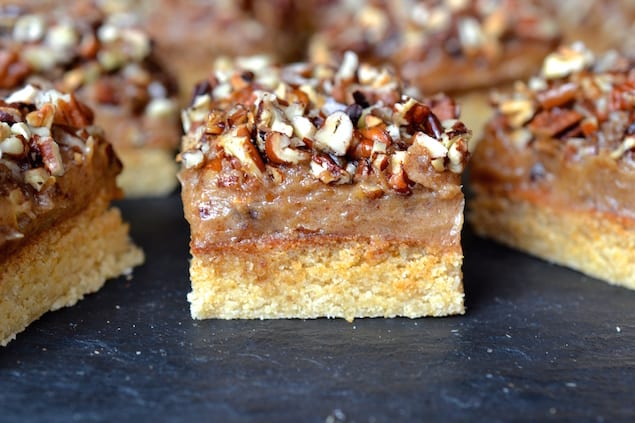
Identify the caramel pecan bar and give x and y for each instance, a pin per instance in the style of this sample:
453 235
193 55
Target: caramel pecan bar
59 238
314 190
554 174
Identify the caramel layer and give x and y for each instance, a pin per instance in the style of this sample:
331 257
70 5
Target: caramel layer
302 206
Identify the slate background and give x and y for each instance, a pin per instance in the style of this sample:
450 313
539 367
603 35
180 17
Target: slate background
538 343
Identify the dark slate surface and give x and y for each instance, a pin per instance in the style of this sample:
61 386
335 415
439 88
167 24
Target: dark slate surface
538 343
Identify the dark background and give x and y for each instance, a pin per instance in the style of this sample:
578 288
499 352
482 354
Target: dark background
538 343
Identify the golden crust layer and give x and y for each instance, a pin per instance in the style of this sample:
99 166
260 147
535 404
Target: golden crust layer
349 279
594 243
59 266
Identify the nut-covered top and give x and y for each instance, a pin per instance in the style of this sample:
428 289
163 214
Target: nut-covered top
471 28
587 103
346 125
430 37
35 126
53 161
106 58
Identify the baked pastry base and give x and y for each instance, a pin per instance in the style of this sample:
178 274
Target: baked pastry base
147 172
597 244
62 264
322 276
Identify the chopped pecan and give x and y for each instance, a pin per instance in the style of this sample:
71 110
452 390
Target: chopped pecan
551 123
558 95
13 71
73 113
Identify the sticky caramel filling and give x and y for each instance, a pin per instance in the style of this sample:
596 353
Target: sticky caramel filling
303 206
546 175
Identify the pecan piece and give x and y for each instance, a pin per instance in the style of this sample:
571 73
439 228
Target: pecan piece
73 113
557 96
554 122
12 70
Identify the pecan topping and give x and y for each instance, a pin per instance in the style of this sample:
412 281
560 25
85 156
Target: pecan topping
102 57
578 95
320 118
36 128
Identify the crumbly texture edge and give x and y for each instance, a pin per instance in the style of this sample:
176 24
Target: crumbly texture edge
61 265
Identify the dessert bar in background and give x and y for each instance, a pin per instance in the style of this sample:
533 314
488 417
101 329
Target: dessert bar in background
554 174
109 63
59 237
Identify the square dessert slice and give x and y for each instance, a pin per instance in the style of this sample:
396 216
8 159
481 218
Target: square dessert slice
109 62
318 191
59 238
554 174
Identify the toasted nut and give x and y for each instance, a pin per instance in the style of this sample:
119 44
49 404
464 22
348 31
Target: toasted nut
377 134
278 149
567 60
10 115
62 37
72 113
5 130
13 146
13 70
434 146
303 127
240 147
398 179
39 57
336 134
361 148
37 178
458 154
42 117
380 163
22 129
626 145
557 96
326 170
372 191
438 164
51 156
161 108
551 123
24 95
371 120
518 111
348 67
29 28
192 159
589 125
280 126
471 35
